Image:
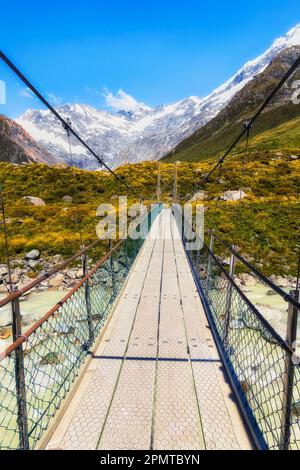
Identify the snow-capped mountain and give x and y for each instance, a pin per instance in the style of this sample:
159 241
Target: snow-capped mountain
138 132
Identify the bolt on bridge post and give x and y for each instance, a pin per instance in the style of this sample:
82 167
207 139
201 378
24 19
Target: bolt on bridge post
229 297
87 295
288 377
22 419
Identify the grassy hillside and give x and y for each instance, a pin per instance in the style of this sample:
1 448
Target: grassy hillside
266 231
277 129
217 135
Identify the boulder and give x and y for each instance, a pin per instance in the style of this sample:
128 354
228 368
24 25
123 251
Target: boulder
296 409
34 201
294 157
33 263
233 195
3 270
3 289
32 255
14 278
56 280
79 274
247 280
72 274
5 333
57 259
67 198
23 282
226 262
51 358
283 281
199 196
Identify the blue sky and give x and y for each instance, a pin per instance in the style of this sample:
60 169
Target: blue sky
156 51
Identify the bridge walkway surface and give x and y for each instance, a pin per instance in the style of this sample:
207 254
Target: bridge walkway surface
155 379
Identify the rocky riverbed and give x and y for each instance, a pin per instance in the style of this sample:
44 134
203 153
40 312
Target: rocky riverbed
271 305
33 307
24 270
44 296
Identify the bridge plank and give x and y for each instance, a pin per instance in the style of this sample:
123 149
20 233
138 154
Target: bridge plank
177 423
217 425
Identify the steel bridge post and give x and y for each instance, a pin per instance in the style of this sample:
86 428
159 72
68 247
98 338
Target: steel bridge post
288 378
87 295
22 419
126 255
229 297
112 271
211 250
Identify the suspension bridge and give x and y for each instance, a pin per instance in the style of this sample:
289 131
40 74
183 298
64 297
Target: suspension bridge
156 347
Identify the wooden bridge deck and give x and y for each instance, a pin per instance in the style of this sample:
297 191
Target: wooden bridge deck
155 380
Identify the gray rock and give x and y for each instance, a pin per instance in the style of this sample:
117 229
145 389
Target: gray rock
226 262
247 280
24 281
34 201
3 270
67 198
51 358
15 278
233 195
79 274
199 196
283 281
33 264
3 289
57 259
72 274
56 280
296 409
32 255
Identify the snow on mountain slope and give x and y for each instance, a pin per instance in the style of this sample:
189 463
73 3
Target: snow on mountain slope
139 132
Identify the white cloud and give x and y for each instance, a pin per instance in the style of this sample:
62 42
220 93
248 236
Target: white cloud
122 101
26 93
55 100
92 91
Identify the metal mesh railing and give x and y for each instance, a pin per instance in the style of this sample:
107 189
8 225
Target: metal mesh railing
37 371
263 366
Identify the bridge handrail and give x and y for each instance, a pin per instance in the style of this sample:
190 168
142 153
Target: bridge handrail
54 309
287 297
22 339
262 364
20 292
280 340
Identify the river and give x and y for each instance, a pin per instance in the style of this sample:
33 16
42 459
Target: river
273 308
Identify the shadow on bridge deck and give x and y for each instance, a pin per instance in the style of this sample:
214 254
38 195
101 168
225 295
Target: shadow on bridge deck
155 380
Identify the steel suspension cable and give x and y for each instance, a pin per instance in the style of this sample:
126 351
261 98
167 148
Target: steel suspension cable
267 101
63 121
75 182
245 159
